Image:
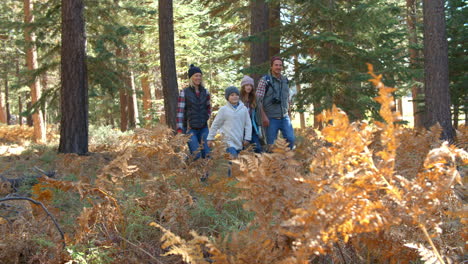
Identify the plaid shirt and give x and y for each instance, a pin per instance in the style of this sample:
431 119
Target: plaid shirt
180 118
260 92
261 88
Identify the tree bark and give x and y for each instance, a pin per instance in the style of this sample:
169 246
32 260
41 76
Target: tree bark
298 89
167 58
259 47
29 119
123 98
132 102
436 81
20 101
274 29
44 83
3 117
416 90
145 86
31 61
20 110
7 100
74 89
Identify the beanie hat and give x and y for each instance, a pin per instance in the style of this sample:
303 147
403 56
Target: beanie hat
230 90
193 69
275 58
247 80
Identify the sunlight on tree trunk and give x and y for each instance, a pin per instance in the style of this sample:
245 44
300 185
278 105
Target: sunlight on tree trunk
416 90
145 86
31 61
132 102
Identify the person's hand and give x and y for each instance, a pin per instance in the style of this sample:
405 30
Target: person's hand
246 143
266 122
210 143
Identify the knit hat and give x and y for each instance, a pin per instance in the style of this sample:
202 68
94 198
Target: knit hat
247 80
275 58
193 69
230 90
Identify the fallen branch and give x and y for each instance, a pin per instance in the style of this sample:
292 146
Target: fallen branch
142 250
43 207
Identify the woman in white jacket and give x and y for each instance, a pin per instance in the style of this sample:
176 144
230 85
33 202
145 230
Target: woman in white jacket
233 122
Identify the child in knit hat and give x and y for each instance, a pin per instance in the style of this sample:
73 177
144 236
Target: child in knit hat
233 121
247 96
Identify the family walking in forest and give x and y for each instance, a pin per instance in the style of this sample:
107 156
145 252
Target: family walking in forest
250 116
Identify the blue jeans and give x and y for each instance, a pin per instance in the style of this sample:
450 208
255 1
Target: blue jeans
256 140
283 125
234 153
199 137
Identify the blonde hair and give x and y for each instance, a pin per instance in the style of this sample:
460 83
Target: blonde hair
251 99
193 85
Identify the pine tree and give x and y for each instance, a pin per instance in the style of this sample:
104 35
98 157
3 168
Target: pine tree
436 81
74 90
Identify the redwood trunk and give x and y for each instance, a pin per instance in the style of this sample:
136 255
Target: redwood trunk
31 61
145 86
74 89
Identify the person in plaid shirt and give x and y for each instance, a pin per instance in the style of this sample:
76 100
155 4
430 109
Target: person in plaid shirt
193 112
273 97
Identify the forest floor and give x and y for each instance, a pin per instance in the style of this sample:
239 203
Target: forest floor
111 204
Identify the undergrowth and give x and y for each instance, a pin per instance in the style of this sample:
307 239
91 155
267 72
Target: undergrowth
351 193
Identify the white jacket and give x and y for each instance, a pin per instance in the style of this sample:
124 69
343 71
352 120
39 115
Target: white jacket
234 124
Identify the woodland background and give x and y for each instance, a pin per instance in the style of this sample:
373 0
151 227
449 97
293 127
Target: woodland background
91 171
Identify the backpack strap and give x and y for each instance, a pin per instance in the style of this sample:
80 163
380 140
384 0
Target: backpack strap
267 78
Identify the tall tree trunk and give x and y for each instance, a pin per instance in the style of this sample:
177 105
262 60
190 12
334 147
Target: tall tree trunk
123 109
74 89
416 90
167 58
132 102
298 89
145 86
3 117
7 100
456 114
436 81
31 61
317 112
20 110
400 105
29 118
274 24
260 46
20 101
158 92
44 83
123 98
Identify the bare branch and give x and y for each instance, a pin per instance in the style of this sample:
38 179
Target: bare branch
43 207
